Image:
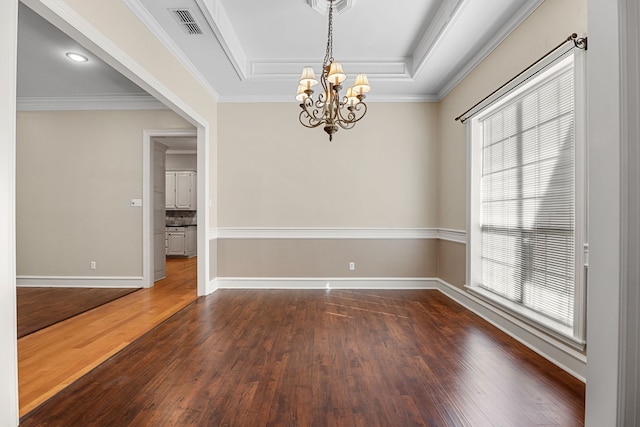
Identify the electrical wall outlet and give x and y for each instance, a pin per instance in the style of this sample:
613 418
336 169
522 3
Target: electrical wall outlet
93 265
352 266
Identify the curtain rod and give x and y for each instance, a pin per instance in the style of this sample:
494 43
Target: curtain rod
580 43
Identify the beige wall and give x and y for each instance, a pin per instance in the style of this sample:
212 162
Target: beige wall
452 258
76 175
181 162
307 258
273 172
549 24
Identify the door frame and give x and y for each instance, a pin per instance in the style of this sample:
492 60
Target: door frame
147 197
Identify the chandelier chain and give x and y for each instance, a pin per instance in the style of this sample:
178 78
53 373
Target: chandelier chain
328 58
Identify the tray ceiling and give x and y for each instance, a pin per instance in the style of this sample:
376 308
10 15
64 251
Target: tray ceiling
254 50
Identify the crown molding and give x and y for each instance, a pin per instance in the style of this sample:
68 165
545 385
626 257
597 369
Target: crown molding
517 19
392 69
286 69
371 99
95 102
147 19
432 31
219 22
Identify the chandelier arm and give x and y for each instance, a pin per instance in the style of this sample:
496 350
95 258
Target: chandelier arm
354 115
311 115
320 103
306 122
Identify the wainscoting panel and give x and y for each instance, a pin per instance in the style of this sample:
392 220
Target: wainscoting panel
319 258
452 262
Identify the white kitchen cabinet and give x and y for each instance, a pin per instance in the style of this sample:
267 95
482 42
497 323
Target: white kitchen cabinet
181 191
176 241
182 241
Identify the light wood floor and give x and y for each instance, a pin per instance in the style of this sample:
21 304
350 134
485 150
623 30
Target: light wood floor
39 308
52 358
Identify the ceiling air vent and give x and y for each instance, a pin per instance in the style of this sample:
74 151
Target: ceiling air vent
186 21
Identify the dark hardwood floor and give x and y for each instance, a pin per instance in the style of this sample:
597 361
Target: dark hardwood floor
321 358
42 307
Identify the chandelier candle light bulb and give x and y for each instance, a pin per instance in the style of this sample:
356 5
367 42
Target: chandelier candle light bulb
330 109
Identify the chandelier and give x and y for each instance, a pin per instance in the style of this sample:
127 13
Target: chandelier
330 109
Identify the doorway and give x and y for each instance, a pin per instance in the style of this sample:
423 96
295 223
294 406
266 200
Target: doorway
165 151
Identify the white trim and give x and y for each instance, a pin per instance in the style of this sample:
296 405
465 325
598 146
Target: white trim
336 233
147 19
9 414
458 236
204 204
213 234
212 286
80 281
147 206
391 69
326 283
513 23
558 331
560 354
326 233
216 16
373 98
91 102
433 31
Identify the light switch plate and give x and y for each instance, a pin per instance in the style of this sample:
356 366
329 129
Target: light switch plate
136 202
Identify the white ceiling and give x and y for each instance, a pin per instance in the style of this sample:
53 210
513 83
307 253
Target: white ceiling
254 50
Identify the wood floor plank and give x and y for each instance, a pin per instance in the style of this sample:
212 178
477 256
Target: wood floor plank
53 358
39 307
321 358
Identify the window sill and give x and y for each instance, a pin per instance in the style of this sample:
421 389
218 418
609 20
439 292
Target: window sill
556 330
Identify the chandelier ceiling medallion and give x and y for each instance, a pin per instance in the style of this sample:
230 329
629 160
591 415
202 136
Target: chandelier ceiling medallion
330 109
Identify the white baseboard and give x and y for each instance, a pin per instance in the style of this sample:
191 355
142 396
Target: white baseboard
212 286
324 283
560 354
79 281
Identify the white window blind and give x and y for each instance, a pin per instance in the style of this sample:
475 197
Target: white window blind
527 197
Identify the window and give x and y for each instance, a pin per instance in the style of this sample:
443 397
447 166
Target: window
527 201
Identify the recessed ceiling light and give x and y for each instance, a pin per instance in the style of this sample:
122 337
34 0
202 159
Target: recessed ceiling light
76 57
